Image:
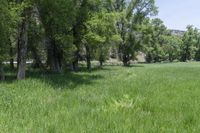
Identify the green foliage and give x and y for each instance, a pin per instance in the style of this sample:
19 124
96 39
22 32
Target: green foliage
190 41
58 18
172 46
154 38
64 32
159 43
100 30
5 24
132 16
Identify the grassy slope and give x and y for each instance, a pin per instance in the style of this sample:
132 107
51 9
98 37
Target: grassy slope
149 98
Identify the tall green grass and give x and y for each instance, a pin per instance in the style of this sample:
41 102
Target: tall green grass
140 99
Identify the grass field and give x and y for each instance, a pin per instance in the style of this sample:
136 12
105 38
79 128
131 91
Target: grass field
157 98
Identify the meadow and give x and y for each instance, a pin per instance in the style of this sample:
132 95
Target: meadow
153 98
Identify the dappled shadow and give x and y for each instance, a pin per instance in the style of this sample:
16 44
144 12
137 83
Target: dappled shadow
10 75
135 65
67 80
94 69
10 78
128 66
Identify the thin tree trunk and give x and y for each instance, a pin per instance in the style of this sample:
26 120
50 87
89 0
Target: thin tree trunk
88 63
88 58
101 63
75 62
77 42
101 60
11 59
22 46
2 76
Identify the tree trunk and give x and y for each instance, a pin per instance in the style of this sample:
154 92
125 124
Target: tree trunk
125 60
12 66
77 42
88 63
37 61
54 57
88 58
170 58
75 62
2 76
22 46
101 63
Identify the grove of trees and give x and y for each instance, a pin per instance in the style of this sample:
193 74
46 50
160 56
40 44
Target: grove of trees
58 34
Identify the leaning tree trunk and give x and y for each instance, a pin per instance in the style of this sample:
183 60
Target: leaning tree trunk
22 46
2 76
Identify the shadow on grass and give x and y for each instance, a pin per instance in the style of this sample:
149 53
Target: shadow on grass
135 65
67 80
94 69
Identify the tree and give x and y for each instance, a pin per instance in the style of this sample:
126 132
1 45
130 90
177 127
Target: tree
5 26
36 47
100 29
171 47
131 17
188 46
154 36
79 29
22 42
58 18
197 54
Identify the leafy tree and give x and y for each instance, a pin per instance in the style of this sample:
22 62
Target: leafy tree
189 41
22 40
171 47
8 24
131 17
58 17
197 54
4 28
36 48
155 35
100 29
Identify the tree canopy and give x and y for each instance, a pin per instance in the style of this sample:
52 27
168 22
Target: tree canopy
59 34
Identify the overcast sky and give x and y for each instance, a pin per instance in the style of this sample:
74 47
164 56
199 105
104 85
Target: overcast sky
177 14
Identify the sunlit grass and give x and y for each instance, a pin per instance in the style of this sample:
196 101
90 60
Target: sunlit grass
144 98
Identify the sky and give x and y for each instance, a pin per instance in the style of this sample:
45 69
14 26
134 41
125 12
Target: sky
177 14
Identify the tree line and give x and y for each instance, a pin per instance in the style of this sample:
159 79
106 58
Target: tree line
58 34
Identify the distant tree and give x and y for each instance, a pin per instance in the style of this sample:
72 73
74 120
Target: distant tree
197 54
171 47
156 33
100 29
189 41
131 16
